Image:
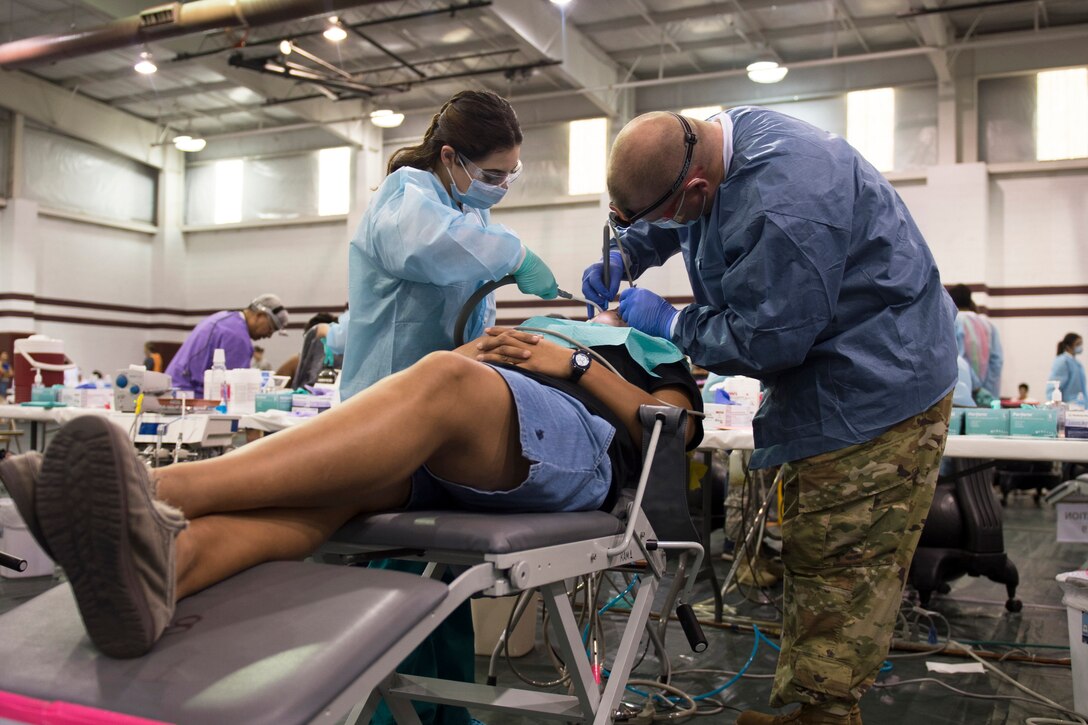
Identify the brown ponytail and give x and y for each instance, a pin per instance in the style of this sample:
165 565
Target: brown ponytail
475 123
1067 342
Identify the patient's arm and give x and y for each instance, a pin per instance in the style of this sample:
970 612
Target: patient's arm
504 345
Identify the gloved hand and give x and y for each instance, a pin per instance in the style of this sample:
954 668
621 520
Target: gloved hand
593 288
643 310
534 277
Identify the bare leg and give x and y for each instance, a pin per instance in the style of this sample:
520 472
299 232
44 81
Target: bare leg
215 547
451 413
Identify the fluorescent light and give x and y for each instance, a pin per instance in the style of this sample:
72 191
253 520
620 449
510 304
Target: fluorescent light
560 3
145 66
870 125
285 47
766 71
334 32
385 118
588 153
189 144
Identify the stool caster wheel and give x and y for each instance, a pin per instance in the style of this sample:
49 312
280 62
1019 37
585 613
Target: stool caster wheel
1014 605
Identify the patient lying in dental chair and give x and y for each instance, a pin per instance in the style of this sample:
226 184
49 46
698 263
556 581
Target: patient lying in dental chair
509 422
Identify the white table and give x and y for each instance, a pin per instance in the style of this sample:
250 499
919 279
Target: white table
1008 448
39 417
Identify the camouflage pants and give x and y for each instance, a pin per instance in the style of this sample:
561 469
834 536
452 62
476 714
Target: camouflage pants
852 519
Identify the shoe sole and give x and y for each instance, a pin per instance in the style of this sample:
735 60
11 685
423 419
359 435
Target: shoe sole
82 502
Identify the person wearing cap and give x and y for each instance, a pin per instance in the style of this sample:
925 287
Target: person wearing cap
232 330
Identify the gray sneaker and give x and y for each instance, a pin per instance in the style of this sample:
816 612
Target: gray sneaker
19 474
114 541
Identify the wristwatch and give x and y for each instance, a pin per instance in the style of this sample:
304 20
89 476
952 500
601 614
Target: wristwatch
579 363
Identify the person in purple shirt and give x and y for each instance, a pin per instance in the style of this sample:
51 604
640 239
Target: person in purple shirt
232 330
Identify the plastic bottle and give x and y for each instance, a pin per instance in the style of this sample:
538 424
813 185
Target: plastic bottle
1056 403
38 392
215 377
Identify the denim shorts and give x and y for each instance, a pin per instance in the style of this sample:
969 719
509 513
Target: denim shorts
566 446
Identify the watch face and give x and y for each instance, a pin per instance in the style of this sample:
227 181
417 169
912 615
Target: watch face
581 359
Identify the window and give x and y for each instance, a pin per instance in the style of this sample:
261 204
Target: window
701 112
1061 114
586 168
870 125
333 181
228 191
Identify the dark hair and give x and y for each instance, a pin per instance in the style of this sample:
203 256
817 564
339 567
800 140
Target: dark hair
1067 341
258 348
475 123
318 319
1023 385
961 295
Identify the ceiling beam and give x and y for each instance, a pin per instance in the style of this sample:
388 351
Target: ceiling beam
542 32
936 31
694 12
771 35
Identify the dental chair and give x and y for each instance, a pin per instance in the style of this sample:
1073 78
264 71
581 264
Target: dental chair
296 642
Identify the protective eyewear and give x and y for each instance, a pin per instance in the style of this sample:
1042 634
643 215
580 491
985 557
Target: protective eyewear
490 176
620 220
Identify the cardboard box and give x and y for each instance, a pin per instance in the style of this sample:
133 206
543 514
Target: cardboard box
955 422
1076 424
1035 422
985 421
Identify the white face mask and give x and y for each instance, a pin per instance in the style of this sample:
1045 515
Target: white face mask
1078 350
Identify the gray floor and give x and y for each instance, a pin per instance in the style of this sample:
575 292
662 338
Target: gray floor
974 609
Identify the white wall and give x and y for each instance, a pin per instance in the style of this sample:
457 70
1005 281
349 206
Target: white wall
306 265
1009 231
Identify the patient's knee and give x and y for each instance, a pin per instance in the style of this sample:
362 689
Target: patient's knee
449 372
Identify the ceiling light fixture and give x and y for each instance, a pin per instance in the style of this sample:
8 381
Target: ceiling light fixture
766 71
285 47
189 144
385 118
334 32
560 3
145 65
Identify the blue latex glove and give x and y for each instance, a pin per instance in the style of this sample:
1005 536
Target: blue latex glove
593 288
643 310
534 277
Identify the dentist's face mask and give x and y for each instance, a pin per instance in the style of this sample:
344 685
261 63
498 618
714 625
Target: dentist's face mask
481 194
670 222
1079 349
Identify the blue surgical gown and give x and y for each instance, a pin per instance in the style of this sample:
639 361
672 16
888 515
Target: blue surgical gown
810 275
1069 373
415 260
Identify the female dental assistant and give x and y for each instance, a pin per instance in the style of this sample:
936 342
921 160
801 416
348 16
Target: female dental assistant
426 242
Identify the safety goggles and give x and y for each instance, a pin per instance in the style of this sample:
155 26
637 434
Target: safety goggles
490 176
620 220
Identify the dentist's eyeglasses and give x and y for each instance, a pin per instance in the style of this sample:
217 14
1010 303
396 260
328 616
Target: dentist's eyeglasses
493 177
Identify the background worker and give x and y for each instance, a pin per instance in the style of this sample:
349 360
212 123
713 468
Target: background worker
978 342
809 274
424 246
231 330
152 359
1068 371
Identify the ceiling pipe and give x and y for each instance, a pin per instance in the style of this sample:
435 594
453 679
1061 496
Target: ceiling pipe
165 21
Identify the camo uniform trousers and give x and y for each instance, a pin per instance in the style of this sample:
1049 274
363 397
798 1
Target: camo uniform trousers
852 519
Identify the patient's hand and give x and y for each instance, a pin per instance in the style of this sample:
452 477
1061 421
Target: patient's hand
524 349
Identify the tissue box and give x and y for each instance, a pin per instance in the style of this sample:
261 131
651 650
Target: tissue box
987 422
1036 422
955 422
310 403
720 416
1076 424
